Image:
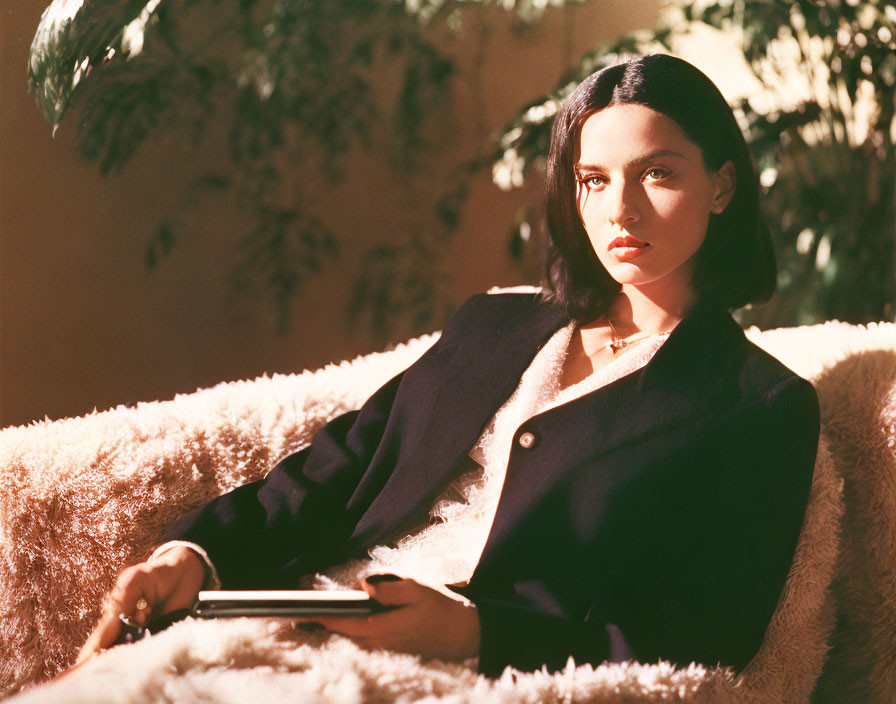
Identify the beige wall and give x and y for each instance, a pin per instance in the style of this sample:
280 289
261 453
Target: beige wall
85 326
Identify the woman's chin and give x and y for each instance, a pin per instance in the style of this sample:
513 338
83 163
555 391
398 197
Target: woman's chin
630 274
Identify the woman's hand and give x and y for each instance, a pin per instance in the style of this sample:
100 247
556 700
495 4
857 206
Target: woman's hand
168 582
424 622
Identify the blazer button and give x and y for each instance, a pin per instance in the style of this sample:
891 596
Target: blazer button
527 440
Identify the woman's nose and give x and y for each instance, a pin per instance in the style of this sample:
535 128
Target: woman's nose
622 204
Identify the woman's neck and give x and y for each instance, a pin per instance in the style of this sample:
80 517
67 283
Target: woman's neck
635 311
634 317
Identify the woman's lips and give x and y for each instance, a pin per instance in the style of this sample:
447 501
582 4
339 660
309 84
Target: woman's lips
626 248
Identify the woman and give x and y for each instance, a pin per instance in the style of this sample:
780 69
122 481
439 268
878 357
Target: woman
632 472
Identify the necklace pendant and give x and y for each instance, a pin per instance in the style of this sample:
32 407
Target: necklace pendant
618 345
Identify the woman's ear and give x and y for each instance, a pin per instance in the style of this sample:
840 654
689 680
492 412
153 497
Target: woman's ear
725 183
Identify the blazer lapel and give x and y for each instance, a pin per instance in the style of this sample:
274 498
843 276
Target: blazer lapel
675 385
482 371
674 389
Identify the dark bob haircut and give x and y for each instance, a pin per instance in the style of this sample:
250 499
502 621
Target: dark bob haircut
735 265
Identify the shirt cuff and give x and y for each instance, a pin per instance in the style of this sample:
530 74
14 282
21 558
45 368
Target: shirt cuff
211 574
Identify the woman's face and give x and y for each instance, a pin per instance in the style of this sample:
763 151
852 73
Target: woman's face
645 195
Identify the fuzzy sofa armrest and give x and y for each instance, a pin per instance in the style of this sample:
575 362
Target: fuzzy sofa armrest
853 368
82 497
66 528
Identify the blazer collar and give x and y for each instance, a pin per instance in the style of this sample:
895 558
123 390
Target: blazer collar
683 380
676 389
699 344
481 371
484 368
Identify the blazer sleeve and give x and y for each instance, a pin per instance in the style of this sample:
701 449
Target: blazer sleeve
250 533
724 527
300 516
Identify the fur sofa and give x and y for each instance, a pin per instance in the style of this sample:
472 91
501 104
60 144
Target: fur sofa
82 497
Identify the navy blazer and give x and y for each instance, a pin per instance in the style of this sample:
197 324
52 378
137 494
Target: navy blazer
654 518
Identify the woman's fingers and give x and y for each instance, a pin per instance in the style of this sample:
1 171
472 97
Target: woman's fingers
402 594
351 626
394 592
102 636
180 576
141 591
424 622
129 589
134 595
368 626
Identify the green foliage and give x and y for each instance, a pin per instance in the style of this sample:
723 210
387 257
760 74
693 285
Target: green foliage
397 284
831 201
821 132
293 84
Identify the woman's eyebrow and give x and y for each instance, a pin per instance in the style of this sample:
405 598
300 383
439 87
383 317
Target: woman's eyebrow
640 160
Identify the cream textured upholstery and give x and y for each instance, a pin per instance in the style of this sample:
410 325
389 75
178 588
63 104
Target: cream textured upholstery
80 498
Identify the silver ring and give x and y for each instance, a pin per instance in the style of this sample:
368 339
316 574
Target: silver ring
128 621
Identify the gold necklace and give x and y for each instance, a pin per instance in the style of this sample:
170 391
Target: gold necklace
617 344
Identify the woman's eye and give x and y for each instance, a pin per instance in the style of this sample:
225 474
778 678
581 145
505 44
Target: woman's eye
592 182
655 174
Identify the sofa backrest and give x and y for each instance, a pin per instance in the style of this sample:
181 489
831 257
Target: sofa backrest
80 498
853 368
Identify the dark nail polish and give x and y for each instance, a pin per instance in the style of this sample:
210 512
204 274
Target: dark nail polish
377 578
310 627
